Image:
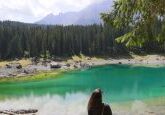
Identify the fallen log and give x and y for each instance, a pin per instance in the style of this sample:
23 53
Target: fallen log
13 112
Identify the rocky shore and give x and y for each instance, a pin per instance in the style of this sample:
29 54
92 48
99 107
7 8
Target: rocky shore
16 69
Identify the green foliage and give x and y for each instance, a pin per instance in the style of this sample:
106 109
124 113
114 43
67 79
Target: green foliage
140 17
161 36
36 77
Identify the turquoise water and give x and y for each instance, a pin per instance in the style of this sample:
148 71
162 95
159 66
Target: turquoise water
118 82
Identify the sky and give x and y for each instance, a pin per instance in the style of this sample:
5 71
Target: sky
33 10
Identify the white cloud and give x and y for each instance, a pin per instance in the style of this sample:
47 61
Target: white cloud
33 10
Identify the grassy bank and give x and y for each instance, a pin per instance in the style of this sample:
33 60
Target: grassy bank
37 76
23 62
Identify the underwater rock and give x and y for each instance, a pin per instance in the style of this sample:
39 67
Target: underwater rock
13 112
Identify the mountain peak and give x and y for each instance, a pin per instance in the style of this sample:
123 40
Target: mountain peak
89 15
50 15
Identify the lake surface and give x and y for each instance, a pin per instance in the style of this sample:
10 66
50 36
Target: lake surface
120 83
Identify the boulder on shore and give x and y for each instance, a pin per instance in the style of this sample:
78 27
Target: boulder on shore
55 65
76 66
19 66
84 65
29 71
120 63
14 65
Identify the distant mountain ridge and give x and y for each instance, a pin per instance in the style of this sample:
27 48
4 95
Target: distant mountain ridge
87 16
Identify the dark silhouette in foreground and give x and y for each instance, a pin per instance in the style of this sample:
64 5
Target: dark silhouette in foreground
95 105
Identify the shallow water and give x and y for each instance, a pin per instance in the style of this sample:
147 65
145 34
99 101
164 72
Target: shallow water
71 90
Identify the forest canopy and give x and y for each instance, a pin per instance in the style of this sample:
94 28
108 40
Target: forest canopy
29 40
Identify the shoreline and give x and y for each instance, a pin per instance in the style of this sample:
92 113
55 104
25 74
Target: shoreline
153 106
30 71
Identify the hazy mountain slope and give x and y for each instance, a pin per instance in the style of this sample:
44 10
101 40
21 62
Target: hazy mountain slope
89 15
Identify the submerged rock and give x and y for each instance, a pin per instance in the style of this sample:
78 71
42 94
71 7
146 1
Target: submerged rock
26 111
13 112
